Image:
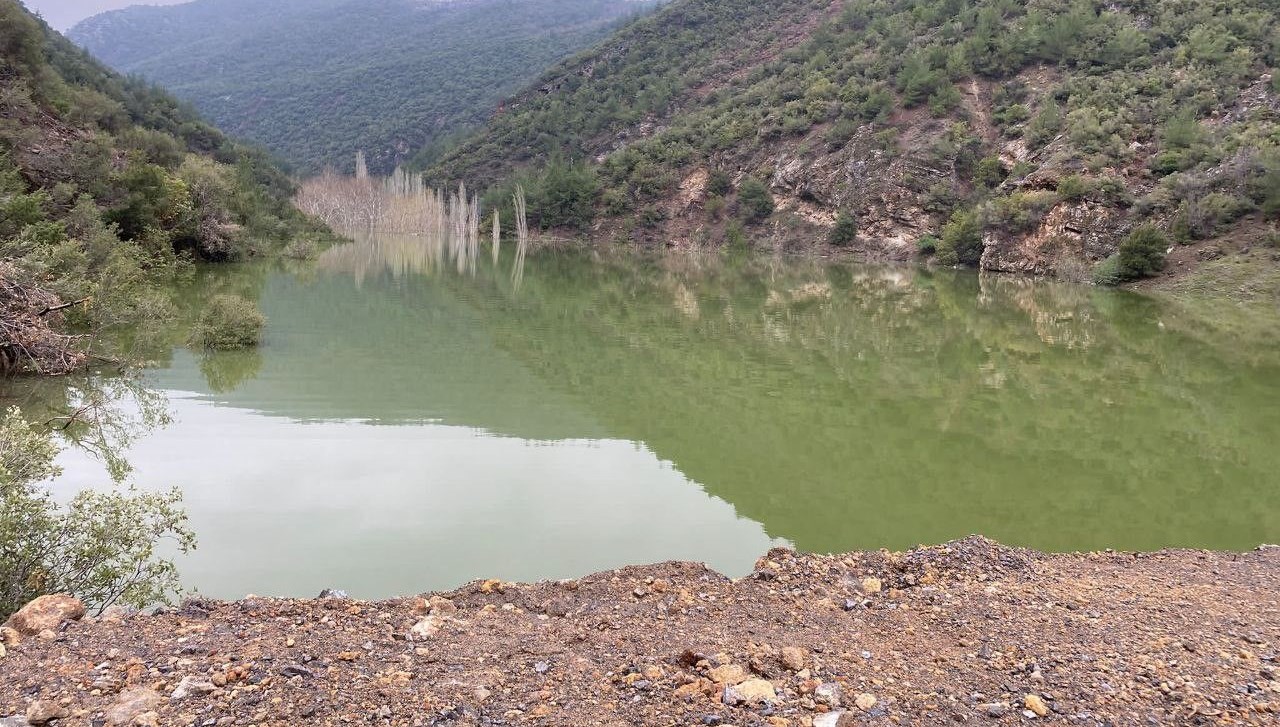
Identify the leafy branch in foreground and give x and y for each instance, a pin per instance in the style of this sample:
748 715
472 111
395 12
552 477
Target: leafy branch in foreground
101 547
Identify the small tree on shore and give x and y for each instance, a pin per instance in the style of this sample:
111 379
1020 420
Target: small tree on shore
101 547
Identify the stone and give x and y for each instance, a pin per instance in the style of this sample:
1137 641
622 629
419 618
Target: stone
43 712
14 721
1034 703
3 652
192 686
829 719
794 658
728 674
130 704
865 701
442 606
427 628
332 593
752 691
995 709
870 585
147 719
46 613
828 694
10 636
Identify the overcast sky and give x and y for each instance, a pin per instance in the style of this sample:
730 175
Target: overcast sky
62 14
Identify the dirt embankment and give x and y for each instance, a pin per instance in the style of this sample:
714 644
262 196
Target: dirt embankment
969 632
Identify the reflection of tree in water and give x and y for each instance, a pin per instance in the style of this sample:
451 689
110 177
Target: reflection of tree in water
225 371
102 415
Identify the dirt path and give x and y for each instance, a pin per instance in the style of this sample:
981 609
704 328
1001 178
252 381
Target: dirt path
971 632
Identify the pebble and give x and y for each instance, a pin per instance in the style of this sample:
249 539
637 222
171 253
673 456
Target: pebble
728 674
996 709
1034 703
130 704
865 701
15 721
829 719
190 686
46 613
794 658
828 694
871 585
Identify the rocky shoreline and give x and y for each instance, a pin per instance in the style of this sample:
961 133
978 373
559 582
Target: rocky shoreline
967 632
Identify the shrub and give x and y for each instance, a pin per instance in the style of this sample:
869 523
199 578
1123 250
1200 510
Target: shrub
754 201
300 248
990 172
718 183
1141 253
229 322
927 245
961 242
100 547
1074 187
845 231
1107 272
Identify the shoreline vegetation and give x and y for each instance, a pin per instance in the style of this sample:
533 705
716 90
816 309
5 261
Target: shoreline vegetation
965 632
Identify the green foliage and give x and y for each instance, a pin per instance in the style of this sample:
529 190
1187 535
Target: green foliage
961 242
100 547
564 196
229 322
845 230
755 204
927 245
1073 187
1092 90
314 81
1141 253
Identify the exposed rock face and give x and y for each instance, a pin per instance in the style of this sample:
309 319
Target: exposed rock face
46 613
1084 231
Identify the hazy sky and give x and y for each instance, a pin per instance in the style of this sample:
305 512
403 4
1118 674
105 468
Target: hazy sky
63 14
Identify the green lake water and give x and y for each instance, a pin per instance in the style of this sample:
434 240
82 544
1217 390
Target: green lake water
406 427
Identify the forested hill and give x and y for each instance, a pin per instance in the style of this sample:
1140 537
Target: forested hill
1026 135
104 182
316 80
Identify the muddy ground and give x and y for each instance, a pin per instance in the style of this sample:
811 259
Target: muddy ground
966 633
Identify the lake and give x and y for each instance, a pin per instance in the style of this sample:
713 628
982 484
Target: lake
407 426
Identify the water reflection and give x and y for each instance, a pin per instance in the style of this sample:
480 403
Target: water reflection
623 409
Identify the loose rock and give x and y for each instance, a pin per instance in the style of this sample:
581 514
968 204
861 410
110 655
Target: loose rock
793 658
132 703
191 685
43 712
1034 703
752 691
46 613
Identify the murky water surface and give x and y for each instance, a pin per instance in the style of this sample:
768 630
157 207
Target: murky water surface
408 427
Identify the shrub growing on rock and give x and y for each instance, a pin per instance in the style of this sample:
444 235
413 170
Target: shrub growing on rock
229 322
754 201
845 231
961 242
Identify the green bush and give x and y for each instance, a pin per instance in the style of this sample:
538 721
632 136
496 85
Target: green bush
229 322
100 547
1073 187
1141 253
927 245
754 201
961 242
845 231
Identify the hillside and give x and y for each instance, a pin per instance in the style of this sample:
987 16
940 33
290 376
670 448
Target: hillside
106 186
1018 136
316 80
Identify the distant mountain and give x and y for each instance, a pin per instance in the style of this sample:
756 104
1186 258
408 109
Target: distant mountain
1018 135
316 80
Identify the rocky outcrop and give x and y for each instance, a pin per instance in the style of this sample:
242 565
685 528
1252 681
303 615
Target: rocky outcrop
1070 234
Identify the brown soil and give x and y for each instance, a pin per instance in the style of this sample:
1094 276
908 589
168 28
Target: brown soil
969 632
